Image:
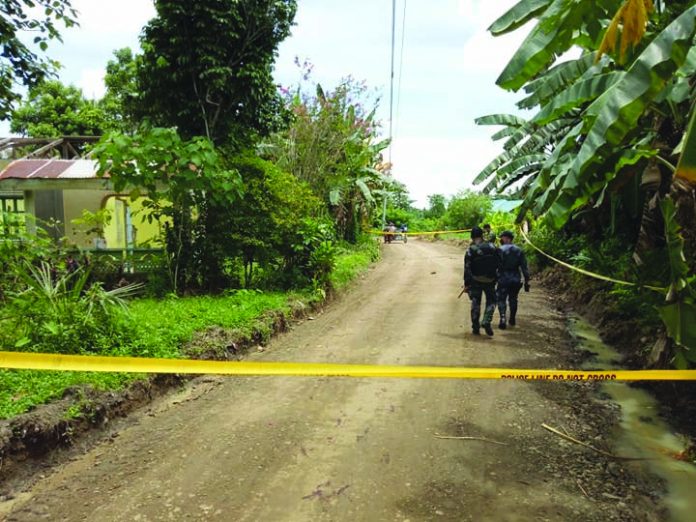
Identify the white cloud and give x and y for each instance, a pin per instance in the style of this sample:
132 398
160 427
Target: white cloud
440 165
104 27
92 83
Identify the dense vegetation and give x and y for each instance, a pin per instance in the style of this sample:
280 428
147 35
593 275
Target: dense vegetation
607 159
254 215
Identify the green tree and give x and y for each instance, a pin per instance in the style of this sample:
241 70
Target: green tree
207 67
187 182
437 206
465 210
266 226
606 130
19 65
53 109
121 95
399 196
332 145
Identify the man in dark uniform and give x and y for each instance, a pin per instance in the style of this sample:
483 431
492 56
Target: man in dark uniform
509 280
481 265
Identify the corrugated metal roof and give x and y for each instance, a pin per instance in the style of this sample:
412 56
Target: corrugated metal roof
50 169
505 205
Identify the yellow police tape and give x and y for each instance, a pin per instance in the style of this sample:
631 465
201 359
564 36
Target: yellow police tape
587 272
397 232
94 363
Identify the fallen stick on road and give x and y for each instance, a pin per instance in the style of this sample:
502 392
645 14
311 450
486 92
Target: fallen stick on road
469 438
582 489
585 445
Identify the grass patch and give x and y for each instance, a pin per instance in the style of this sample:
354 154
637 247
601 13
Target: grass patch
162 326
352 261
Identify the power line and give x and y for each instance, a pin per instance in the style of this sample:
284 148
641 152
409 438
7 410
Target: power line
401 67
391 105
391 79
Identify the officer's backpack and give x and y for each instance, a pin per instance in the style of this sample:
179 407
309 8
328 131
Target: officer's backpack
484 262
511 258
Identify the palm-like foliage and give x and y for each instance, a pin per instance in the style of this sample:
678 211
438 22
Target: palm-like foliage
332 145
64 313
606 124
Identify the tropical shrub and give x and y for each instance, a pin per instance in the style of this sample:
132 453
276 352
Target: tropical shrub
608 134
332 144
19 248
60 312
465 210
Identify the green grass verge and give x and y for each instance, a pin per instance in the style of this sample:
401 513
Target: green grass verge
352 261
163 326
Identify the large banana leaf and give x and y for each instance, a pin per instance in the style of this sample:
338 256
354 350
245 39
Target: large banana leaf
679 315
554 170
530 136
689 67
576 95
520 162
573 196
367 194
556 79
552 36
501 119
534 141
518 15
515 168
614 114
500 183
686 168
680 320
504 133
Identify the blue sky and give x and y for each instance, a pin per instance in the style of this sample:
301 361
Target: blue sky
448 78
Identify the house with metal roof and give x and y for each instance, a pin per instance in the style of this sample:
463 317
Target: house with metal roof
56 191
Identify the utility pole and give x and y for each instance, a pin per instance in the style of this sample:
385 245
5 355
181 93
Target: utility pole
391 110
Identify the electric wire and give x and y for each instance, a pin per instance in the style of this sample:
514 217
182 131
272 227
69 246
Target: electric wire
391 79
401 68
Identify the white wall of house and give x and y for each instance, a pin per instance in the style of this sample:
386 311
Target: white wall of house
74 202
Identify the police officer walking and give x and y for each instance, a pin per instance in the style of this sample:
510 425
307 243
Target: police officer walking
481 264
509 281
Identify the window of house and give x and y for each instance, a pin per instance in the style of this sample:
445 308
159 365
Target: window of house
11 214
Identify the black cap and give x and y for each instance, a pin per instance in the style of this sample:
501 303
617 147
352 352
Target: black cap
476 232
507 233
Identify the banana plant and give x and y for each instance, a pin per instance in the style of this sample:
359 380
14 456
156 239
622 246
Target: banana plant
603 119
686 168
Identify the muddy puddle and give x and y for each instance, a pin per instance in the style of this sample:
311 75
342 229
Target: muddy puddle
642 433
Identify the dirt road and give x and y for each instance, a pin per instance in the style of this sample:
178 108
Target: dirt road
252 449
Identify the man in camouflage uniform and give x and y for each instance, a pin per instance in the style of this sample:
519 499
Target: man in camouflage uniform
481 265
509 280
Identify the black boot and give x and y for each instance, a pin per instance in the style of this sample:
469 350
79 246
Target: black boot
502 324
488 328
512 320
475 329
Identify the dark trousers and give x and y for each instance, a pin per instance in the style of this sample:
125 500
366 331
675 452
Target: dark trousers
476 292
508 291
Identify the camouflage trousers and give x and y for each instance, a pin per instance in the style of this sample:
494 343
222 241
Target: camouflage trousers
476 291
508 291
